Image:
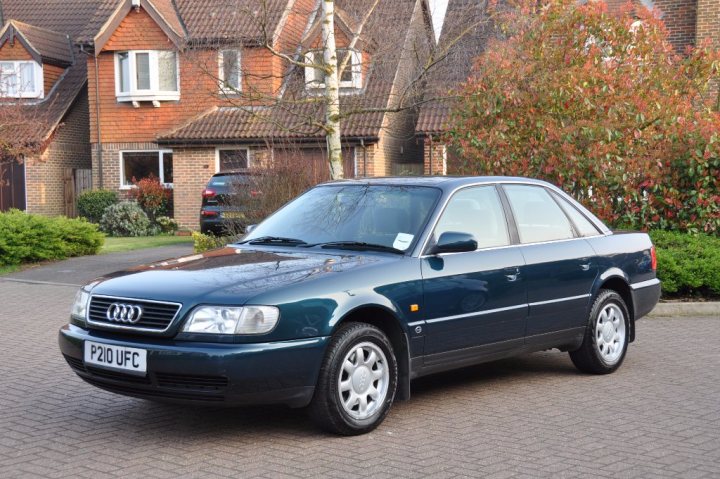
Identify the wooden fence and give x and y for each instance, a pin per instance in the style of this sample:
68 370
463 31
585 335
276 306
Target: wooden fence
75 181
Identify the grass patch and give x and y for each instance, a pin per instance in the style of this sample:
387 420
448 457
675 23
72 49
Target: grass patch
119 245
7 269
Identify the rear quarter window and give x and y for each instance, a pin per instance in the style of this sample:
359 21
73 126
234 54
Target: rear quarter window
538 217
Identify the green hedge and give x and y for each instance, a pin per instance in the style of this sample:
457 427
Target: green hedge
688 264
205 242
93 203
26 238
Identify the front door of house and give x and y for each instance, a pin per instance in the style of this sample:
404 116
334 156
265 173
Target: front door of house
12 185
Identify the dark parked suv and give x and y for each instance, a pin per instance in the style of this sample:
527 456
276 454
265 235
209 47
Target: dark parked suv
221 204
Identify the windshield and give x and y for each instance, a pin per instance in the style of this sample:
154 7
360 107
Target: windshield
391 216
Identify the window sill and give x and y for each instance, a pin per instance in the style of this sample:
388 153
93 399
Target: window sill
148 97
133 187
230 92
24 96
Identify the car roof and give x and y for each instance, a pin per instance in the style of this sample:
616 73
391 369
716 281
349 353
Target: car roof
443 182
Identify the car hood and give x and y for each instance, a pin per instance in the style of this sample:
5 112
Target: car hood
231 275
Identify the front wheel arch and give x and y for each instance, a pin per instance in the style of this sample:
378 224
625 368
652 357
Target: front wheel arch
389 324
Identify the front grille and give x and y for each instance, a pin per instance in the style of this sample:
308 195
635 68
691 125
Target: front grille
118 376
133 390
156 315
197 383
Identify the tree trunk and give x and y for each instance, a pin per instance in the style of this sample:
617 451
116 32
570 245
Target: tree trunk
332 91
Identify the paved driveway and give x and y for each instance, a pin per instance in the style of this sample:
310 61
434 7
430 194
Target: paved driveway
82 270
659 416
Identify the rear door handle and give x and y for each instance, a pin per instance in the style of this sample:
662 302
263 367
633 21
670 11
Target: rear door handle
585 266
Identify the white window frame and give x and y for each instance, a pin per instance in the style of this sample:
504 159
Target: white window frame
154 93
38 92
221 72
312 73
161 165
231 148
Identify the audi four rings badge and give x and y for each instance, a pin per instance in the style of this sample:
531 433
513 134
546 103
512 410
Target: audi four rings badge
124 313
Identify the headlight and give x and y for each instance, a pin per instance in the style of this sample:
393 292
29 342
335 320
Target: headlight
228 320
79 307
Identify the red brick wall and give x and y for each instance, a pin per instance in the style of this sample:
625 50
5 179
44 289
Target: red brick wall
14 51
70 148
708 20
121 122
51 74
678 15
192 168
434 157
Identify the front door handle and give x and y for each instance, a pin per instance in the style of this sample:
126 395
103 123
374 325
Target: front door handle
512 274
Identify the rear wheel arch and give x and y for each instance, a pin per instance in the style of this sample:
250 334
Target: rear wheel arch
621 287
388 323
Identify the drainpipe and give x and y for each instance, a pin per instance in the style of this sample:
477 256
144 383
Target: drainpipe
97 115
430 167
97 122
362 144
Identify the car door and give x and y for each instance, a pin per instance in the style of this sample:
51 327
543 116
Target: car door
474 299
560 266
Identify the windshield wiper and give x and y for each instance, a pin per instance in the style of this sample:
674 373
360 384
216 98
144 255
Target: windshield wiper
275 240
356 245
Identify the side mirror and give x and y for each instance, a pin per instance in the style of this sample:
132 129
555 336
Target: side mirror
249 229
454 242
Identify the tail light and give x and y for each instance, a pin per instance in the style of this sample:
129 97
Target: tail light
653 259
208 193
209 214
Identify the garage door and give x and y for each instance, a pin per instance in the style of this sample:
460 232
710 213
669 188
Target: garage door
12 186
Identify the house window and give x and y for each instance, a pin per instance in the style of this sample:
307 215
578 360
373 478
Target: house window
232 159
351 77
136 165
229 75
21 79
146 76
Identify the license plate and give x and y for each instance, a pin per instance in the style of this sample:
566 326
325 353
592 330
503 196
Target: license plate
131 360
232 214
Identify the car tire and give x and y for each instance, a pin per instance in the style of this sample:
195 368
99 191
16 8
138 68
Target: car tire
357 382
606 337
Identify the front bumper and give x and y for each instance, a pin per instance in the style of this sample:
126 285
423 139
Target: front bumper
209 373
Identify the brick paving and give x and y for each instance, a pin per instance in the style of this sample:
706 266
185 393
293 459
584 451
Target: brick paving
535 416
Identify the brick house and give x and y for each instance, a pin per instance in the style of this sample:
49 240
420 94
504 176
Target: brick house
687 21
43 79
182 89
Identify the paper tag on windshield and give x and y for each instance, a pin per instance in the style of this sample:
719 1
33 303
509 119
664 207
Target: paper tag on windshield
402 241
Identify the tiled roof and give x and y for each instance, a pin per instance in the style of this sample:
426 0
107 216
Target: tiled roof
230 20
203 21
299 114
102 12
166 9
45 24
66 16
458 47
50 45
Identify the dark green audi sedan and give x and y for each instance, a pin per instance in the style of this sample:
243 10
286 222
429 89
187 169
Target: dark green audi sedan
343 296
